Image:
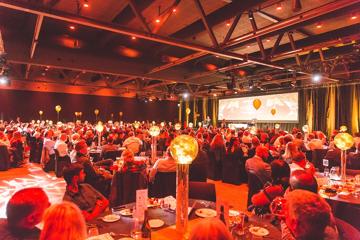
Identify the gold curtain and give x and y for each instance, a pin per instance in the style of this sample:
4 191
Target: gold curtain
187 105
214 111
331 109
204 107
180 108
309 109
195 112
355 113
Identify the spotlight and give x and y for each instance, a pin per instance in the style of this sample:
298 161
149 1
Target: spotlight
174 10
86 5
4 80
215 95
279 7
133 38
228 24
185 95
316 77
353 16
72 27
157 20
319 25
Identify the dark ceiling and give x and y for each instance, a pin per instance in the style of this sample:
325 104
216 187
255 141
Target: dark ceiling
162 48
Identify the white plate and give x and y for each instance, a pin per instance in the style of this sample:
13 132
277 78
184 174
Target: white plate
156 223
233 213
126 212
259 231
111 218
205 212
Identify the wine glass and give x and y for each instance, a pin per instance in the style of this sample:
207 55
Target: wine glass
277 207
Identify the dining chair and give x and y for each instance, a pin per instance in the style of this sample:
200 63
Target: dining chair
202 190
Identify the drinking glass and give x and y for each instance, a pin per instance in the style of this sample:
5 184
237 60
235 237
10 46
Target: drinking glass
326 167
239 225
136 230
334 173
277 206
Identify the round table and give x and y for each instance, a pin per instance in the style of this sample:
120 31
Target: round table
123 227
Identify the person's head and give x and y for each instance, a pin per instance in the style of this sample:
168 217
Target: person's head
63 137
26 207
74 174
300 179
280 171
49 133
262 152
210 229
298 157
255 141
110 139
299 135
306 214
63 221
81 147
127 155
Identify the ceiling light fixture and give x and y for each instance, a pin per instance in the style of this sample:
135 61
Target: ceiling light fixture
353 16
319 25
228 24
174 10
316 77
279 6
86 4
133 37
72 27
185 95
157 20
4 80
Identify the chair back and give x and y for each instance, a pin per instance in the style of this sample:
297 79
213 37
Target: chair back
164 185
124 186
255 185
347 231
198 173
4 158
203 191
111 155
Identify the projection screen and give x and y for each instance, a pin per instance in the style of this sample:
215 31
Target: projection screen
242 109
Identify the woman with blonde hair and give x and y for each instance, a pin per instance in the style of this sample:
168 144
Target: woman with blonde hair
63 221
210 229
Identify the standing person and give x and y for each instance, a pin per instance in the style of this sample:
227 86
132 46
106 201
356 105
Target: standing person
48 153
24 211
63 221
216 155
17 149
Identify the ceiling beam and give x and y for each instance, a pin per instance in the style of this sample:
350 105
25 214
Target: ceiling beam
232 27
35 40
258 39
139 16
206 23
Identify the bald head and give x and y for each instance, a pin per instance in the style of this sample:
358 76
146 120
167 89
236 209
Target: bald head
300 179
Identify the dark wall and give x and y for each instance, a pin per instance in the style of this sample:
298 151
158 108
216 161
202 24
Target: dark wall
26 105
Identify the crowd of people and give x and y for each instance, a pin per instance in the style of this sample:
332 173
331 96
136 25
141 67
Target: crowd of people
276 159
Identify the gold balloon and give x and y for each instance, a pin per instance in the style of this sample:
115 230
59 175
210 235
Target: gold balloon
188 111
57 108
154 131
41 112
177 126
344 141
257 103
184 149
96 111
273 111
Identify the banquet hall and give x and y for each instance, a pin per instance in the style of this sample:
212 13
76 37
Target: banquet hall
179 119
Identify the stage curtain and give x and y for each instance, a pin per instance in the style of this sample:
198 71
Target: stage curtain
309 108
215 105
331 95
195 111
180 112
355 112
204 108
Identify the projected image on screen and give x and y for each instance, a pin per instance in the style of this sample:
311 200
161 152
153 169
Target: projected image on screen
242 109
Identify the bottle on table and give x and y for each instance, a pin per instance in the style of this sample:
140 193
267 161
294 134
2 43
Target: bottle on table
222 215
146 229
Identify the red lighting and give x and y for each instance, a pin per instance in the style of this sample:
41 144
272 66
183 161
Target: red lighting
133 38
228 24
319 25
279 7
174 10
157 20
72 27
353 16
86 5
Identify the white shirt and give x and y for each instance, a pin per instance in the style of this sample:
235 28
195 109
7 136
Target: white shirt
62 148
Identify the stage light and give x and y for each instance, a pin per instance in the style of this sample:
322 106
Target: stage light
316 77
353 16
185 95
319 25
4 80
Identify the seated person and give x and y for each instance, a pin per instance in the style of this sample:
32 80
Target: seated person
130 165
333 155
258 166
133 143
353 158
166 164
109 146
24 210
301 179
210 229
314 143
307 216
61 145
90 201
4 141
280 173
299 162
63 221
